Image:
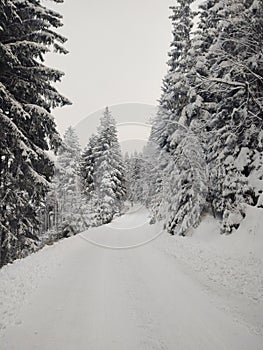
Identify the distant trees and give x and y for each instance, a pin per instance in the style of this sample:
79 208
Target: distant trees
102 171
66 184
210 116
87 167
88 188
28 130
134 165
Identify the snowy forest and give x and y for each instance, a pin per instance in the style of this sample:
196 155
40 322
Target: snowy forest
205 149
192 196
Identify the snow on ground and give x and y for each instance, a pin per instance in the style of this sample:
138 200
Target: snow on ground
230 266
200 292
128 231
18 281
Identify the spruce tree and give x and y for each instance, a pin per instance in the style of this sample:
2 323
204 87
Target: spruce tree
154 172
175 86
87 167
67 183
231 76
135 178
183 191
87 170
186 184
103 172
210 115
110 171
28 130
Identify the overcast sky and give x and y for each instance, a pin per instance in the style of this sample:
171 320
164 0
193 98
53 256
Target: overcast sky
118 53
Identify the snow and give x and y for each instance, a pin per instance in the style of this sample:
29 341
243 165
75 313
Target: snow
243 158
203 291
231 266
255 178
37 110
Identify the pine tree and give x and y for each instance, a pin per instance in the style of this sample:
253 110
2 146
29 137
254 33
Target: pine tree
155 163
231 75
67 183
135 178
103 172
87 167
210 115
28 130
175 86
182 190
110 172
87 170
186 185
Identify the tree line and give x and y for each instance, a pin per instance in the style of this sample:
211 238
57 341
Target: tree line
89 186
205 149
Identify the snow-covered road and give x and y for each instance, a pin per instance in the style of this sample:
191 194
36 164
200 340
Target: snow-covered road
79 295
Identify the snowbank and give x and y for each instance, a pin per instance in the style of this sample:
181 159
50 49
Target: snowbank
231 266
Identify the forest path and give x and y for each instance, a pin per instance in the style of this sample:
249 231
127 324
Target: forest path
88 297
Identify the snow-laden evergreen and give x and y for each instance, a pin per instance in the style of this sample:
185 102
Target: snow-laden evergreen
27 95
209 121
67 184
182 197
103 172
135 177
175 85
234 80
87 167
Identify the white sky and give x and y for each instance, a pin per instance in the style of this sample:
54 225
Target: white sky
118 53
